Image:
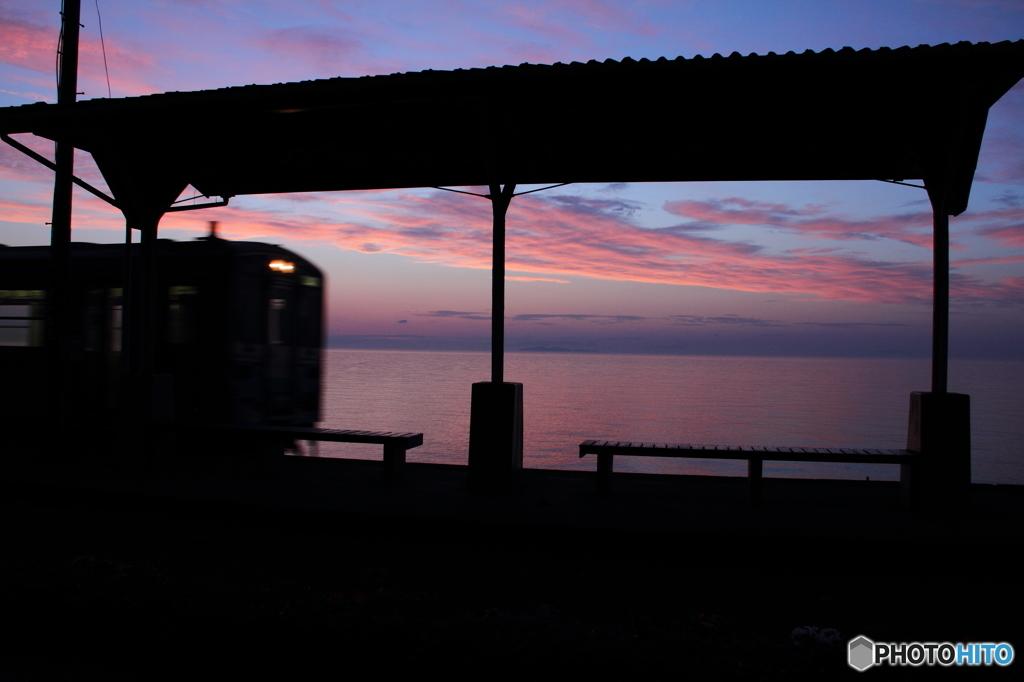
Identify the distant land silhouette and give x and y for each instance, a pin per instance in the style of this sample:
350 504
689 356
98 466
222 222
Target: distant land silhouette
555 349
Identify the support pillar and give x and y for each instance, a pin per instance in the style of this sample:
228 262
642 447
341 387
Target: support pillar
940 305
940 422
495 436
142 394
496 412
940 430
500 200
145 185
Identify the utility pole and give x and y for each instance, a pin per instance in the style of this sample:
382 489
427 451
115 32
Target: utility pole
59 306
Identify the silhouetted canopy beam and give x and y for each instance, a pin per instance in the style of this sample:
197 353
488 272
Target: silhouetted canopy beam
848 115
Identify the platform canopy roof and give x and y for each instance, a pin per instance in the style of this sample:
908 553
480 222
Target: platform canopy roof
907 113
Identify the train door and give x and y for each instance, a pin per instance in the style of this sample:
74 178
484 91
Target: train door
280 346
22 355
309 327
187 348
98 371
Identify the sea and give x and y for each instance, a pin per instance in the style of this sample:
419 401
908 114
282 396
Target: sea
572 397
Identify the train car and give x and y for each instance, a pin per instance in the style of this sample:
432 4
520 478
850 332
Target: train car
237 325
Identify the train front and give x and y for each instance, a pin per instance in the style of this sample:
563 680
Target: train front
244 335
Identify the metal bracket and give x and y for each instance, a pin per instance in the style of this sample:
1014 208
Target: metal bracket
459 191
222 202
541 189
89 188
488 196
52 166
900 182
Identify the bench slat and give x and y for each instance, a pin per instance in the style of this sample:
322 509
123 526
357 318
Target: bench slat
408 440
755 455
761 452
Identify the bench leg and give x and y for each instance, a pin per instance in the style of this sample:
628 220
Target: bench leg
164 447
273 454
394 464
754 467
604 475
909 487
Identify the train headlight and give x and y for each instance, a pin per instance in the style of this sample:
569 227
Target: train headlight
282 266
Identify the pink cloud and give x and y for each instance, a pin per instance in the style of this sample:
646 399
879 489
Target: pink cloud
16 166
551 18
1007 235
565 235
813 221
810 220
33 46
131 71
556 236
1006 224
27 45
541 33
986 261
330 49
1002 158
537 20
536 279
1002 151
21 212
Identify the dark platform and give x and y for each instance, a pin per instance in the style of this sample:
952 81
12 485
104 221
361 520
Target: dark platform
698 505
149 575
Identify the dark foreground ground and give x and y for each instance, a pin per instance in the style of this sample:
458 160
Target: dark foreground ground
109 585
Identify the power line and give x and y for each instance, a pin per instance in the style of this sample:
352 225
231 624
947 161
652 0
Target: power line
99 20
60 48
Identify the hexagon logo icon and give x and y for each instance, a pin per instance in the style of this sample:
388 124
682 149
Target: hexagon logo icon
861 653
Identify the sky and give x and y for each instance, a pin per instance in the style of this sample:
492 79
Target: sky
720 268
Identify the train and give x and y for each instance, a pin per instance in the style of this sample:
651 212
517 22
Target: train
237 326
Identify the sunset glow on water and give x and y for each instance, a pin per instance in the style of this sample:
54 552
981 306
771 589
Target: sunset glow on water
569 398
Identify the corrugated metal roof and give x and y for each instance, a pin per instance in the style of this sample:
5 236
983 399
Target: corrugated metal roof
864 57
835 114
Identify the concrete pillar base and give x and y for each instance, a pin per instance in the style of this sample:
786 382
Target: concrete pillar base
134 398
495 436
939 429
162 438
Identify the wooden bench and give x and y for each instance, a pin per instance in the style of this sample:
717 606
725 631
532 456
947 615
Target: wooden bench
754 454
275 439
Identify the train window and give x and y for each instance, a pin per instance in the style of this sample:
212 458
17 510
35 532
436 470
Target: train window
15 325
21 318
92 319
275 322
181 314
115 328
115 317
